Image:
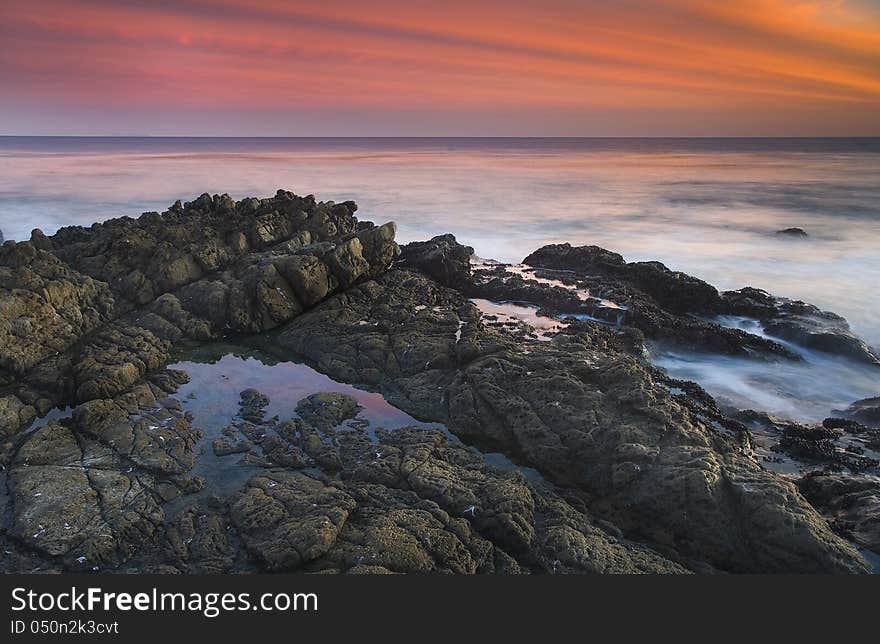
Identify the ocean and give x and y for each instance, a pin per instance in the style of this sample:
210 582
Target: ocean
709 207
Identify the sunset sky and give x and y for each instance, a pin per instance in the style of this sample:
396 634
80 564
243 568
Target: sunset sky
469 68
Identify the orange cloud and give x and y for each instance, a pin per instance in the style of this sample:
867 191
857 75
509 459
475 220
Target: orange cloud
686 58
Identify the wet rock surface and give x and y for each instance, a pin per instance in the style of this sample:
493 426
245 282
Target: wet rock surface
865 411
441 258
583 414
851 503
667 305
836 444
637 472
409 500
89 312
800 323
597 285
86 493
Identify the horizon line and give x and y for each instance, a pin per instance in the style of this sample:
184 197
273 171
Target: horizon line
395 136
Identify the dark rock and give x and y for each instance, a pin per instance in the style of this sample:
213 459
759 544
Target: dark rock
441 258
586 259
638 479
600 276
865 411
289 519
327 410
415 501
45 306
585 418
800 323
792 232
200 543
144 258
814 333
14 414
224 447
815 444
673 290
39 240
88 493
845 424
662 304
88 313
253 405
851 503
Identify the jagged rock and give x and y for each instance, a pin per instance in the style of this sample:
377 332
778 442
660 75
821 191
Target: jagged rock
89 492
638 479
67 507
792 232
14 414
325 411
652 467
198 272
800 323
673 290
611 291
865 411
585 418
441 258
200 542
224 447
412 500
828 333
45 306
115 359
289 519
253 405
815 444
657 298
851 503
398 333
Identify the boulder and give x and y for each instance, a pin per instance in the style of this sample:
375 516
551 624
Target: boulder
851 503
441 258
865 411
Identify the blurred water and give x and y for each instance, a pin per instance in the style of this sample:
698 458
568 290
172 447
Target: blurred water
806 391
709 207
809 390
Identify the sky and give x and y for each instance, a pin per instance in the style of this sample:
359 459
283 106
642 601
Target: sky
451 68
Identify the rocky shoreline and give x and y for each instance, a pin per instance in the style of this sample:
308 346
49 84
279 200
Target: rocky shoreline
638 472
